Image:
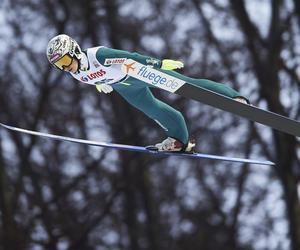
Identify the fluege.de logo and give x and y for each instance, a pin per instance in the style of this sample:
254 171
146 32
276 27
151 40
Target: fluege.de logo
151 76
93 75
157 79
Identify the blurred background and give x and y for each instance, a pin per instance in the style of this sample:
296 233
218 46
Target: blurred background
59 195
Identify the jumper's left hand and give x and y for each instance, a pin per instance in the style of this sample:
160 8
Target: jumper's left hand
169 64
105 88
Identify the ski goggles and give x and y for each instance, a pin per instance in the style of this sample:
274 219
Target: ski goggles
64 62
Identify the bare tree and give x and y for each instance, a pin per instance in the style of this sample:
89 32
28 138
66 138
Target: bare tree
56 195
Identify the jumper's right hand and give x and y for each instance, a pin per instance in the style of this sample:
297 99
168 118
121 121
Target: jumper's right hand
169 64
105 88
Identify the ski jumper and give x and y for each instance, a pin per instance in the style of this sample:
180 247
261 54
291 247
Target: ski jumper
105 67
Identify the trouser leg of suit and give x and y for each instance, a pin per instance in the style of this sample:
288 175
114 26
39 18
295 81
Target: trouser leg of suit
139 95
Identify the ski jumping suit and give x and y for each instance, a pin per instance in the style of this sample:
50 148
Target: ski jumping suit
105 67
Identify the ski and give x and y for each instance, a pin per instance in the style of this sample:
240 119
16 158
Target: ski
135 148
172 84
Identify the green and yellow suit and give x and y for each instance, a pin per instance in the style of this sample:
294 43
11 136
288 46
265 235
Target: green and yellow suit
105 68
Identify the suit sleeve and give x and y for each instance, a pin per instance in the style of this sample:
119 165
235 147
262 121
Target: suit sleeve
107 53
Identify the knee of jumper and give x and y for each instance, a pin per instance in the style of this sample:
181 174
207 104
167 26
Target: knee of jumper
173 121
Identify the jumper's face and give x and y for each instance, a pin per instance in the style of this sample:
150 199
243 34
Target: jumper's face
72 66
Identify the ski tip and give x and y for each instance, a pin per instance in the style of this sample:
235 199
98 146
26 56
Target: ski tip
270 163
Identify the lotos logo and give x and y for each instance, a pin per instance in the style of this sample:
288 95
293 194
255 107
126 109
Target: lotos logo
93 76
84 79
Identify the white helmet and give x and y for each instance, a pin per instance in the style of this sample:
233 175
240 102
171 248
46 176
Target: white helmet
61 50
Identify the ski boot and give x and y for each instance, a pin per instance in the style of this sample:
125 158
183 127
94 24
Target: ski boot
241 99
172 145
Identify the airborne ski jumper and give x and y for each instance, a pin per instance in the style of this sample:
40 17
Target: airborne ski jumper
102 66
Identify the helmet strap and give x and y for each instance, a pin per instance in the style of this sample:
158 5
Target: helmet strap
83 62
